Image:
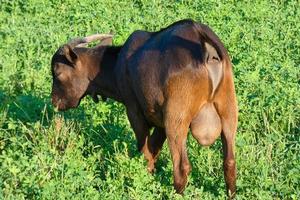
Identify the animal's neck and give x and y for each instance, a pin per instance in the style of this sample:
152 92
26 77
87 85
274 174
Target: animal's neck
104 83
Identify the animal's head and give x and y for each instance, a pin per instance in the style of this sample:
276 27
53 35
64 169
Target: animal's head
72 69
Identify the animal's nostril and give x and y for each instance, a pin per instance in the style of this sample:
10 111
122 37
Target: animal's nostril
54 100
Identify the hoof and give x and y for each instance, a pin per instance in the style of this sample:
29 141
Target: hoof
180 186
151 168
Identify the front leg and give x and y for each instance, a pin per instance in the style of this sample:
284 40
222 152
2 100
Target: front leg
142 134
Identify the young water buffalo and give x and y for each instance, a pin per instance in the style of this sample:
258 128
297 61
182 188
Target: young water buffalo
176 79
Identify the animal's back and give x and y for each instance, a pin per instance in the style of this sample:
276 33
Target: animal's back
170 62
184 59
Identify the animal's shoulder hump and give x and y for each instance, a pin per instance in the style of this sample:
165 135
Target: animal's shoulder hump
134 41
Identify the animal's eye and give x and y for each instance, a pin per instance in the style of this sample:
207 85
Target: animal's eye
57 74
61 76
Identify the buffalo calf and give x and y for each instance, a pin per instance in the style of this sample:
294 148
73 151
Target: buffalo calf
174 80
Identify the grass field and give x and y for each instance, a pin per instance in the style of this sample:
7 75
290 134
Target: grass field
90 152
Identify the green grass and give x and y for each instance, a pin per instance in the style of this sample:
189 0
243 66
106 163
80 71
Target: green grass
90 152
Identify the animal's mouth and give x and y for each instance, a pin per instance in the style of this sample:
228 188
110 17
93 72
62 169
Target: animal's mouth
59 105
63 105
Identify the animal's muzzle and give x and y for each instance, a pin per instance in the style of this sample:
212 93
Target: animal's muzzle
57 103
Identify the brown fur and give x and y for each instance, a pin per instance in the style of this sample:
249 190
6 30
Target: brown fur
176 79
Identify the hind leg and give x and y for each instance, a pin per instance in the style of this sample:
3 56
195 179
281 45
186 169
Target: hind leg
176 132
226 105
228 144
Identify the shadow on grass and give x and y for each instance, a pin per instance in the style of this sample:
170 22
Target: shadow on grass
27 108
107 136
24 108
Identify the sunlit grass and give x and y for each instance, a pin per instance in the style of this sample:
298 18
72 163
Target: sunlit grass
90 152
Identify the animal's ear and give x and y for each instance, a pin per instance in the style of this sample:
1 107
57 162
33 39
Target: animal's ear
106 42
70 54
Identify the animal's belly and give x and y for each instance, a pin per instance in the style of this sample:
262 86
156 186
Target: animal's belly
206 125
152 104
154 117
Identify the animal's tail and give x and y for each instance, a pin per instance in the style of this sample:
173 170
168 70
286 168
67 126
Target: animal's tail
209 36
216 57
